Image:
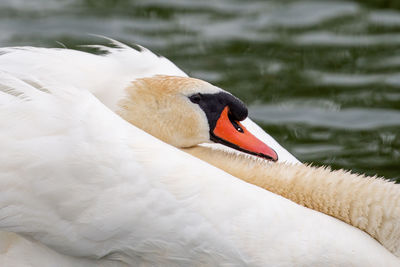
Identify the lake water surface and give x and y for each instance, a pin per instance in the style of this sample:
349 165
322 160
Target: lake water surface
323 77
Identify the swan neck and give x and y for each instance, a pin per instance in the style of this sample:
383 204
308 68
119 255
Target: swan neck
369 203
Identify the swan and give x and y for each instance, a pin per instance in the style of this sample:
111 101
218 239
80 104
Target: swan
87 184
158 85
152 93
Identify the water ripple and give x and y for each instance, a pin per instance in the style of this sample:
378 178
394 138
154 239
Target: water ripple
347 118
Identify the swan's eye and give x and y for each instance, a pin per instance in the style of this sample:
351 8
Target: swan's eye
196 98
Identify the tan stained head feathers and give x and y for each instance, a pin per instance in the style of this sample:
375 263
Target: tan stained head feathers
160 106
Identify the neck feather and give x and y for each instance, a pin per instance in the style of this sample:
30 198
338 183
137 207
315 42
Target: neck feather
369 203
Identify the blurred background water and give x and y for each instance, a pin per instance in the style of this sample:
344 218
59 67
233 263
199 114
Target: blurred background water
323 77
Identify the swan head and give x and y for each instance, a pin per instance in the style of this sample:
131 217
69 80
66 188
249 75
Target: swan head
185 112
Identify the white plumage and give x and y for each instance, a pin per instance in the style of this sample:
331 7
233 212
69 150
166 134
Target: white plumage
79 179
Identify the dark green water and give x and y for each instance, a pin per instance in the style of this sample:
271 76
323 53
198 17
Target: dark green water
323 77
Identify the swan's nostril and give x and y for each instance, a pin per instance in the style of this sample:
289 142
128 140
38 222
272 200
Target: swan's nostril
235 124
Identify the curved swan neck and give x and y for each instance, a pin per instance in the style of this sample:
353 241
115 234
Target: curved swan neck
369 203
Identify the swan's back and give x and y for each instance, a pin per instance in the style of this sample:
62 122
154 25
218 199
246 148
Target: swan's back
106 75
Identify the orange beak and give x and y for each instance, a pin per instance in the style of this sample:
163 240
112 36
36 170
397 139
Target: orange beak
235 135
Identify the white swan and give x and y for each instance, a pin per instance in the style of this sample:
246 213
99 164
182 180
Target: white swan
140 82
81 180
159 105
